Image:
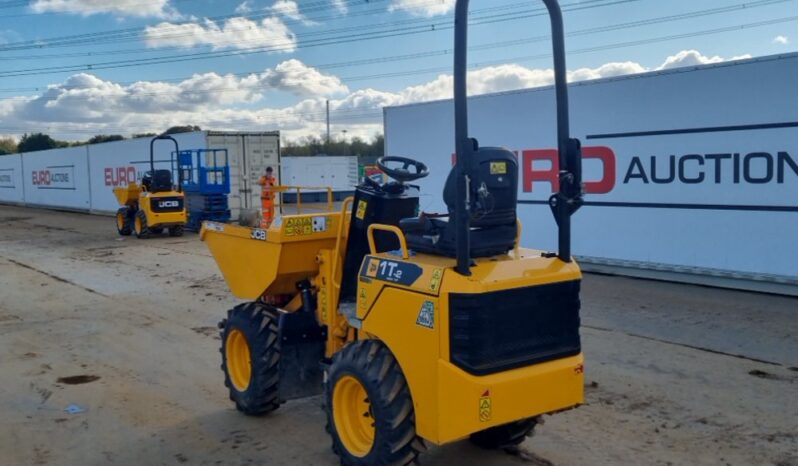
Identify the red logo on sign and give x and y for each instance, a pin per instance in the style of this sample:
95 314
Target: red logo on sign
120 176
41 177
532 173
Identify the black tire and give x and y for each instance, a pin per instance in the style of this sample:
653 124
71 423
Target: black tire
258 324
145 231
395 441
176 230
156 231
124 221
504 436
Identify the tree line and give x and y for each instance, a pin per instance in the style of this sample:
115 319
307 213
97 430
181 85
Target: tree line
305 146
315 145
40 141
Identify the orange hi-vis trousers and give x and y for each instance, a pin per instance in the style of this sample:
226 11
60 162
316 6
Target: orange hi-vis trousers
267 201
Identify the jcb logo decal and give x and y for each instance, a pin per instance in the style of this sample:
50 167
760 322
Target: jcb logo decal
258 234
168 204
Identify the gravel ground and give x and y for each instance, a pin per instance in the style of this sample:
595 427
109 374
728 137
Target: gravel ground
126 330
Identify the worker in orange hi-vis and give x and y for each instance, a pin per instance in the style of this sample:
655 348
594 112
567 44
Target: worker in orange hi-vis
267 183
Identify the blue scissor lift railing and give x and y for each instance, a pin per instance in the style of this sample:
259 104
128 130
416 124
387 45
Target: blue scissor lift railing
206 182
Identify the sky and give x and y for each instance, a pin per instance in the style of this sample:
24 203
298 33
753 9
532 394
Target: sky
76 68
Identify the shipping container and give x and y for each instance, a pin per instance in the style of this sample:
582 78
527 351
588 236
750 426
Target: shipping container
691 174
250 154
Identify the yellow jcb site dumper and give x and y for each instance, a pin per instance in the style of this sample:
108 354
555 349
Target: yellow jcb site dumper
414 328
155 204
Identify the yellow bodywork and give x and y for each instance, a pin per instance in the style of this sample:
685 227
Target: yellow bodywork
134 195
449 402
127 195
255 262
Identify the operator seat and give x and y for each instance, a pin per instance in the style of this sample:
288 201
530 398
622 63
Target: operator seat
158 183
494 198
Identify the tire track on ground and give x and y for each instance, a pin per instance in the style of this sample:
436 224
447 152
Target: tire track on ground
55 277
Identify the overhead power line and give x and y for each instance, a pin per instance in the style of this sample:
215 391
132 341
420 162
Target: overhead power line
319 115
348 38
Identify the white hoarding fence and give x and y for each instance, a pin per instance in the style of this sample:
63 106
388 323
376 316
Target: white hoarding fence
83 177
685 171
11 189
57 178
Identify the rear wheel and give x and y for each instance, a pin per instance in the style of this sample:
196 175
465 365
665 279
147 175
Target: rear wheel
140 225
504 436
176 230
369 409
123 226
250 358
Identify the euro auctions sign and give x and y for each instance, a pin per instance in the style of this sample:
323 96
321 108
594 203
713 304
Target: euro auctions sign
720 168
690 169
54 177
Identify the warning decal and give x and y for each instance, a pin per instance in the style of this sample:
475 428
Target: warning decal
361 210
426 316
435 281
498 168
485 407
298 226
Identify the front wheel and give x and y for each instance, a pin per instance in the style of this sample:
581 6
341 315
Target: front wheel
369 410
250 358
123 226
140 225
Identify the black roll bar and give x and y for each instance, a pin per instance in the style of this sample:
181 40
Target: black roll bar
569 198
166 137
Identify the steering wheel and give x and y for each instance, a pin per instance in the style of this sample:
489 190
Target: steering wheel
403 174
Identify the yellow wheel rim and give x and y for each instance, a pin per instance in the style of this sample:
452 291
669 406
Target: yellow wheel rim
239 364
120 221
353 417
137 225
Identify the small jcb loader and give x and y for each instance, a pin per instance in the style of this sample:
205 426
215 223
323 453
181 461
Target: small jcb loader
153 205
414 328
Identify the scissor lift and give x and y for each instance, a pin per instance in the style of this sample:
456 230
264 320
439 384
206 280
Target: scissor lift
206 182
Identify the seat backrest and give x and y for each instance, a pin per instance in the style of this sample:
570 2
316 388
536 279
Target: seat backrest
161 181
494 188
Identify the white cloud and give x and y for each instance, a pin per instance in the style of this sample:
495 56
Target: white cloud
694 58
511 77
781 40
422 7
290 9
244 7
236 33
607 70
87 103
340 5
157 8
298 78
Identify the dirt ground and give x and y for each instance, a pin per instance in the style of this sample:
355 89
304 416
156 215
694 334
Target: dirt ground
126 330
